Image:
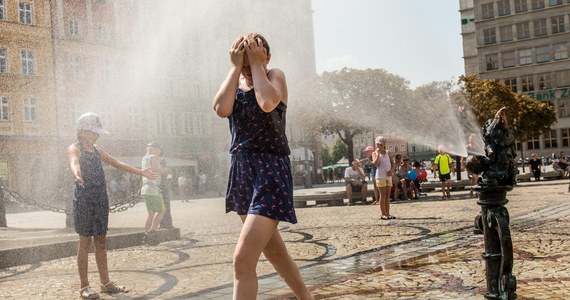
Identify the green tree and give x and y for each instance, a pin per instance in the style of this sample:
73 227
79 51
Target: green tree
341 102
326 155
339 151
527 116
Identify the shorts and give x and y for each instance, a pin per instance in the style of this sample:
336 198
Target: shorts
384 182
445 177
261 184
356 187
154 203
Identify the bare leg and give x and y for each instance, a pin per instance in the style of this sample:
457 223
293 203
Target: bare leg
157 219
386 203
101 257
148 222
276 252
349 193
82 259
256 234
384 197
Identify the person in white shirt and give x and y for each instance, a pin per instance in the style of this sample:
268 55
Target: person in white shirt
355 181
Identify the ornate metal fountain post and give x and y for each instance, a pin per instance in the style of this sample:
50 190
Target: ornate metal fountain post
499 175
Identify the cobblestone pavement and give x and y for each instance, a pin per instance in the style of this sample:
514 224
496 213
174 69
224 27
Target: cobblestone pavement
428 252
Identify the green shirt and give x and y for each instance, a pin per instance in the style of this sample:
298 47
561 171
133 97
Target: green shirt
443 162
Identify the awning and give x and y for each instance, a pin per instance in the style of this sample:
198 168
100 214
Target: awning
335 166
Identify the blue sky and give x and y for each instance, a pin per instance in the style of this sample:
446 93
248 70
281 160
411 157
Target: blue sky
417 39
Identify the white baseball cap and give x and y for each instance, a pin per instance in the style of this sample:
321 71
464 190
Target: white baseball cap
90 121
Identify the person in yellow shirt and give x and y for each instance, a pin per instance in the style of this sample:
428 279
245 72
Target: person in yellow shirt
444 165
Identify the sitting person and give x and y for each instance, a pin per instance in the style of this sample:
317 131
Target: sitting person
563 164
403 183
534 164
416 183
355 181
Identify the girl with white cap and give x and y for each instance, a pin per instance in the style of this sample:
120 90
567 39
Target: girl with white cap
90 200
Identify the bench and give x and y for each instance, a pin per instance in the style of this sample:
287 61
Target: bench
550 175
330 199
430 186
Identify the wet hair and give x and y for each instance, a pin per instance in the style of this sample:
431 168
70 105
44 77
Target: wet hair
254 36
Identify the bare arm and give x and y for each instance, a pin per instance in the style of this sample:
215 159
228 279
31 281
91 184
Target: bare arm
73 154
224 100
270 87
123 166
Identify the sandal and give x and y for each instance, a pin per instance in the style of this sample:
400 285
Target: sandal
88 293
111 288
391 217
384 217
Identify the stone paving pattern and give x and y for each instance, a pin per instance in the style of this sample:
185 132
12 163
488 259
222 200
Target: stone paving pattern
428 252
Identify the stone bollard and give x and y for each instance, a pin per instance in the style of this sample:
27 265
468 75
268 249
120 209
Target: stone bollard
3 222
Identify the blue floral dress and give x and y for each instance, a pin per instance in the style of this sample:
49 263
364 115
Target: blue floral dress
260 180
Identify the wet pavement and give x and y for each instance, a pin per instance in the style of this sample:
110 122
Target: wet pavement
344 252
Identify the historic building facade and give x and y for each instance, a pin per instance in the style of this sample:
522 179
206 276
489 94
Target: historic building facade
524 44
149 69
28 110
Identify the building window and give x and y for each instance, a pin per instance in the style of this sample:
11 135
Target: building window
105 71
508 59
73 27
525 57
103 33
554 2
487 11
562 78
563 108
520 6
540 27
565 136
506 33
537 4
527 83
133 117
492 61
4 109
188 123
550 140
560 51
533 143
2 8
75 67
3 61
489 36
396 149
504 7
27 60
30 110
557 24
25 9
106 115
542 54
544 81
511 83
523 30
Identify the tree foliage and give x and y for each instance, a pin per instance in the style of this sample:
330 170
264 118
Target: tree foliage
527 116
339 101
339 151
326 155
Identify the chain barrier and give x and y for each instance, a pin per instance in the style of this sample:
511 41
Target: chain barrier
24 202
